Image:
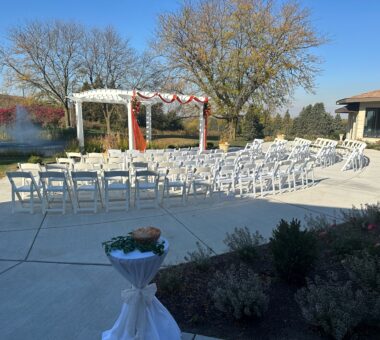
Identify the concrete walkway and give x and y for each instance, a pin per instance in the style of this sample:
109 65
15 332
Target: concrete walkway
56 282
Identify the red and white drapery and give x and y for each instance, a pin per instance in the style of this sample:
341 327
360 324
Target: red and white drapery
138 139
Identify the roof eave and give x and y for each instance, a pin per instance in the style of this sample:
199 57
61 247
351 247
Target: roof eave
357 100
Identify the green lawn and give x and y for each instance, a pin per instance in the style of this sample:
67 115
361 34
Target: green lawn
9 162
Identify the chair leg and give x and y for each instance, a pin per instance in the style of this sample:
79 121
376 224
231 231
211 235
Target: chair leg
31 201
137 202
13 201
95 200
64 201
156 196
106 199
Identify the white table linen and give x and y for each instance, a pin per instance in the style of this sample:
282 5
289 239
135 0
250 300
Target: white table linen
142 316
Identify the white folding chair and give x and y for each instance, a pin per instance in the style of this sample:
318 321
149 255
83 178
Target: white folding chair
284 174
86 182
75 156
117 160
112 166
69 162
146 181
57 167
95 161
116 181
53 183
226 179
28 186
114 153
175 180
246 178
267 177
33 168
308 169
202 178
83 167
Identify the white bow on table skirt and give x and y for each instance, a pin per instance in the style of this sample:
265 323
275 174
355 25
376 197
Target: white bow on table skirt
138 300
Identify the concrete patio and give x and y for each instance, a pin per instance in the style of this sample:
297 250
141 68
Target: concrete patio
56 282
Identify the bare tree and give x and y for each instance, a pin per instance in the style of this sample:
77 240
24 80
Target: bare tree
43 56
240 52
108 60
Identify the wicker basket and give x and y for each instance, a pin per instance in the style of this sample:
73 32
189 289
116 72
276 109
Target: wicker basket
146 235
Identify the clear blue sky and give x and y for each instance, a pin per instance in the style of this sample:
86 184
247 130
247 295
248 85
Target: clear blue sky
351 58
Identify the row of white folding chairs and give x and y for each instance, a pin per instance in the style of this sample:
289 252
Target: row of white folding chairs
325 155
301 141
70 185
95 182
320 142
354 158
276 151
300 151
352 144
267 175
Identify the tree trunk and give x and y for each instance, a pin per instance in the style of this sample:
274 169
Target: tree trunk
67 116
108 123
107 116
232 127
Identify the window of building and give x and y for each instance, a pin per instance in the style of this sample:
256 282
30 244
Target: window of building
372 123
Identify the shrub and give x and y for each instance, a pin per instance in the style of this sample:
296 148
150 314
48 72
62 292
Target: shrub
244 243
364 216
317 222
35 159
200 257
364 271
170 280
72 146
332 305
294 250
347 242
240 292
94 145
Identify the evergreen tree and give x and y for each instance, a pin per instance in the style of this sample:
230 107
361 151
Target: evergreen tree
277 124
314 121
252 127
339 125
287 123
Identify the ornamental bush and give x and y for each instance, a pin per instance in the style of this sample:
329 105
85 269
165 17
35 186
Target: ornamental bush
334 306
47 116
366 215
240 292
170 280
200 257
364 270
35 159
7 115
294 250
244 243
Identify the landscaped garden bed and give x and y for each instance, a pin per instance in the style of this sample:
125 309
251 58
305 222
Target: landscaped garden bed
317 284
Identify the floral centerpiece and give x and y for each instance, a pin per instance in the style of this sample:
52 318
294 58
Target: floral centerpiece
223 142
143 239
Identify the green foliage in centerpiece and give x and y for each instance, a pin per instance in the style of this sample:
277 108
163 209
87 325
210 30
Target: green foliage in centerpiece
128 244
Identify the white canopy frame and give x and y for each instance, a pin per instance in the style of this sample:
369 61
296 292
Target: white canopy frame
124 97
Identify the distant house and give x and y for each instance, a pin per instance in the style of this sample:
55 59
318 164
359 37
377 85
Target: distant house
363 115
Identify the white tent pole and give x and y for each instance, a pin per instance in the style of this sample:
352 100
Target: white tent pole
201 130
130 127
148 122
78 112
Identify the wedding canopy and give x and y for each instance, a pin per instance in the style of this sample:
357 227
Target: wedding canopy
132 99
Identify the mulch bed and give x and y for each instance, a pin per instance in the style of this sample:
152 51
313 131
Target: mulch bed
183 289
